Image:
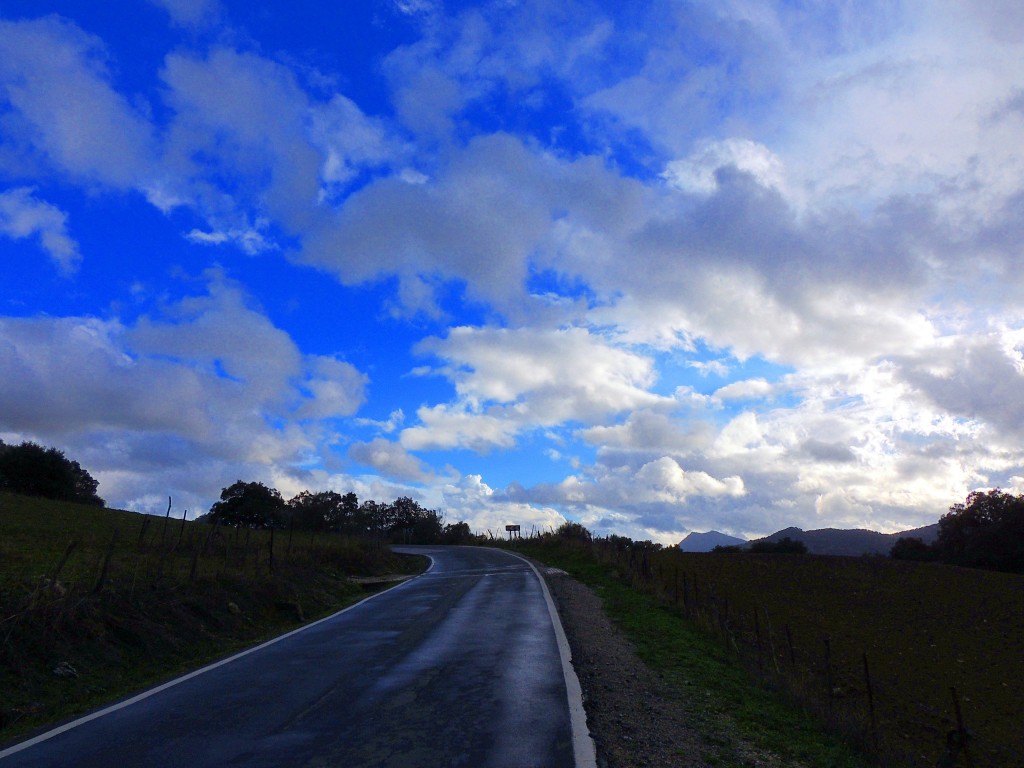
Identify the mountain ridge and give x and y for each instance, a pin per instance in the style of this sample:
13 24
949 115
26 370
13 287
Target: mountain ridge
705 542
848 542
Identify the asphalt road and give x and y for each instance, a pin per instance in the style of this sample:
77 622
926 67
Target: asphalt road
458 667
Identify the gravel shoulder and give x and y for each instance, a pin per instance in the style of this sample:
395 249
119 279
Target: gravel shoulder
635 717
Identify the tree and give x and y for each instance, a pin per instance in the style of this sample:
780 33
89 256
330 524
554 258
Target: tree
249 505
457 533
324 510
33 470
369 517
985 532
911 548
349 510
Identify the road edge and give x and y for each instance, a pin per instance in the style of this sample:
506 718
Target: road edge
45 736
583 748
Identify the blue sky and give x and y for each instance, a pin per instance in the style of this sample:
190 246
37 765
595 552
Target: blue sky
654 267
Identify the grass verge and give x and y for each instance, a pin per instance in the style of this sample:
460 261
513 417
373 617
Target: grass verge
734 713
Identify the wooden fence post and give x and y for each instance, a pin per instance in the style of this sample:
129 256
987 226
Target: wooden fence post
871 703
757 631
106 565
828 672
771 641
167 518
961 729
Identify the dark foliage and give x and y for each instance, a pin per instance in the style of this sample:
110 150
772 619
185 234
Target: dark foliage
457 533
784 547
911 548
249 505
729 549
323 511
33 470
574 531
253 505
987 531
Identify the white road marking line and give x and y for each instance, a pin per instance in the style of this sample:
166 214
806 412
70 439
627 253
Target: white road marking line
171 683
583 749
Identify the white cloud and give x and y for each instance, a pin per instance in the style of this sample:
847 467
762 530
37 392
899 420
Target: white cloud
575 375
476 220
747 389
646 430
205 391
336 388
978 378
510 380
251 241
698 173
391 460
442 427
351 142
472 500
389 425
23 215
663 480
63 107
190 13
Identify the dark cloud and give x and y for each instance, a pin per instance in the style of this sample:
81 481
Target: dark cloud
824 451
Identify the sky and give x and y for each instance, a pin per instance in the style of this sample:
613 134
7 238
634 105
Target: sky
653 267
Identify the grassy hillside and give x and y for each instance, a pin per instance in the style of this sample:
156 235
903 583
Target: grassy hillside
96 603
806 625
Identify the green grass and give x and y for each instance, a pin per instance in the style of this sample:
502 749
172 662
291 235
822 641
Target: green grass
172 598
734 714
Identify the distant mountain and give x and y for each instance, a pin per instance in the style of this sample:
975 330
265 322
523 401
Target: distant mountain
705 542
854 542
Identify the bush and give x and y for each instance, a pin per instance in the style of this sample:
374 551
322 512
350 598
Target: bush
573 531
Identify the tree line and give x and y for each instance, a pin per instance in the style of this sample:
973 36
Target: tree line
986 531
34 470
255 505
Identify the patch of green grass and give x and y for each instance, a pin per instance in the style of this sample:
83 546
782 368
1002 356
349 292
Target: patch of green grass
131 610
733 712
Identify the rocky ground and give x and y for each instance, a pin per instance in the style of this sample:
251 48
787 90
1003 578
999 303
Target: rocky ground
635 717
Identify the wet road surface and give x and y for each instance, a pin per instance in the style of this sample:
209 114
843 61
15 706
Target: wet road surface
457 667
